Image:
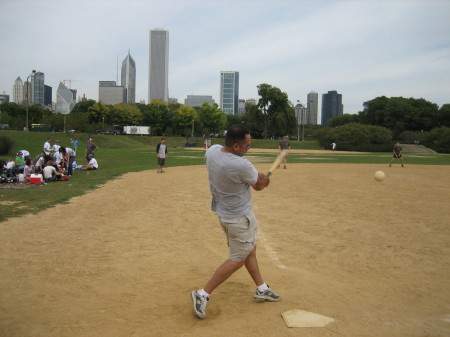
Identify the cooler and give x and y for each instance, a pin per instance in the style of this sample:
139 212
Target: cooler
36 179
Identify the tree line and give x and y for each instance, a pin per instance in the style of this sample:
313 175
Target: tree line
407 119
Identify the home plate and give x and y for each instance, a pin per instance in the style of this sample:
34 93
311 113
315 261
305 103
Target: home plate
297 318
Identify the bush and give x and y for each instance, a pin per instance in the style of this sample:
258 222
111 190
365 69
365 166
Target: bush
412 137
6 144
438 139
357 137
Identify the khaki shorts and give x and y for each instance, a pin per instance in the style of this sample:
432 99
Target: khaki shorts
241 235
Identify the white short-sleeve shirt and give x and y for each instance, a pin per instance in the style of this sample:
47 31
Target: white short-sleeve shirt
230 177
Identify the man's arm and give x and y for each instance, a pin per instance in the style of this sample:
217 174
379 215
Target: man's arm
261 183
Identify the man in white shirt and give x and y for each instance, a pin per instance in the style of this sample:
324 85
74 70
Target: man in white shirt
231 178
47 146
56 147
50 173
93 165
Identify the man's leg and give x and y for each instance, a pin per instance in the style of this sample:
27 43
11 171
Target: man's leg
251 264
222 274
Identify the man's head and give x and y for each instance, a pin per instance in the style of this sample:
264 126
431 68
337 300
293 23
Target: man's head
90 156
163 140
238 139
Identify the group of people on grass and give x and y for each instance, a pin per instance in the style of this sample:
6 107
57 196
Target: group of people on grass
55 162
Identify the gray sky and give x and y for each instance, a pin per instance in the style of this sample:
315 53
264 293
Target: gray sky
362 49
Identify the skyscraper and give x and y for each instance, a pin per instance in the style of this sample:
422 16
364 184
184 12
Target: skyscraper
18 91
313 107
64 99
37 88
331 106
159 66
229 91
128 78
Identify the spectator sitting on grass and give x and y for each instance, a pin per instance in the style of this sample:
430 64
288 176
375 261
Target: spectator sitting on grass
29 168
93 165
19 163
40 163
50 173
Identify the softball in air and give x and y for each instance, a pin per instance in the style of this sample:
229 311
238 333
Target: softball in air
379 176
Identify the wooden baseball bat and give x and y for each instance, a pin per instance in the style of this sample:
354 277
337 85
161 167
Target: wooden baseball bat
277 162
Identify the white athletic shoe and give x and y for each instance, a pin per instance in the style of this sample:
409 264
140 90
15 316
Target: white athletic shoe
267 295
200 303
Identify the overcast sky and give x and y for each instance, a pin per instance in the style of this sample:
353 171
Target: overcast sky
362 49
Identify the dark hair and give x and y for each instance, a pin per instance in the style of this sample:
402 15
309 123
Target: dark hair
62 149
236 134
28 161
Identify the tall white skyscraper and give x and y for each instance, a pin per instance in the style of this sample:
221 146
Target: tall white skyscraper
158 79
128 78
313 107
18 91
229 92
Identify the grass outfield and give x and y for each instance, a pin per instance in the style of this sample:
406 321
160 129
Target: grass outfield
121 154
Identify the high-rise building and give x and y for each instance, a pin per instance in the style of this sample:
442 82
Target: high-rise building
48 91
229 92
159 66
4 98
18 91
27 95
128 78
198 100
65 100
313 107
37 88
110 93
331 106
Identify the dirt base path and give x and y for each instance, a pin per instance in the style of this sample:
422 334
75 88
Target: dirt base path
123 259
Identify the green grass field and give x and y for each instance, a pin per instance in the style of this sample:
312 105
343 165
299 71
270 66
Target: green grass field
121 154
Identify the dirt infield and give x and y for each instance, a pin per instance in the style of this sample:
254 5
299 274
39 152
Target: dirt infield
122 260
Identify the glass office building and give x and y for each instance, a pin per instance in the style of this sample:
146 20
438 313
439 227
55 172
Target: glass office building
331 106
159 66
229 92
128 78
37 88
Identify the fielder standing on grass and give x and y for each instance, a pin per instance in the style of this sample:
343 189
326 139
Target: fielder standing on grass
230 177
161 154
396 154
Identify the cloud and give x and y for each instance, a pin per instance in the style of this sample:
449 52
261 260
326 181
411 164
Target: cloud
362 49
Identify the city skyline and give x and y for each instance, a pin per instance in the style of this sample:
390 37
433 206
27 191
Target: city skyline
361 49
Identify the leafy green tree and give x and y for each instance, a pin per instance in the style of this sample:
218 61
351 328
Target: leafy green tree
98 112
343 119
399 114
277 114
158 116
126 114
211 119
185 117
438 139
443 117
82 106
254 120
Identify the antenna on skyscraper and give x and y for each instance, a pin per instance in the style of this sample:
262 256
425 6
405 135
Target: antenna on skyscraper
117 73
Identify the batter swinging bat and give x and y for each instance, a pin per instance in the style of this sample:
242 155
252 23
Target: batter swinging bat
277 162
